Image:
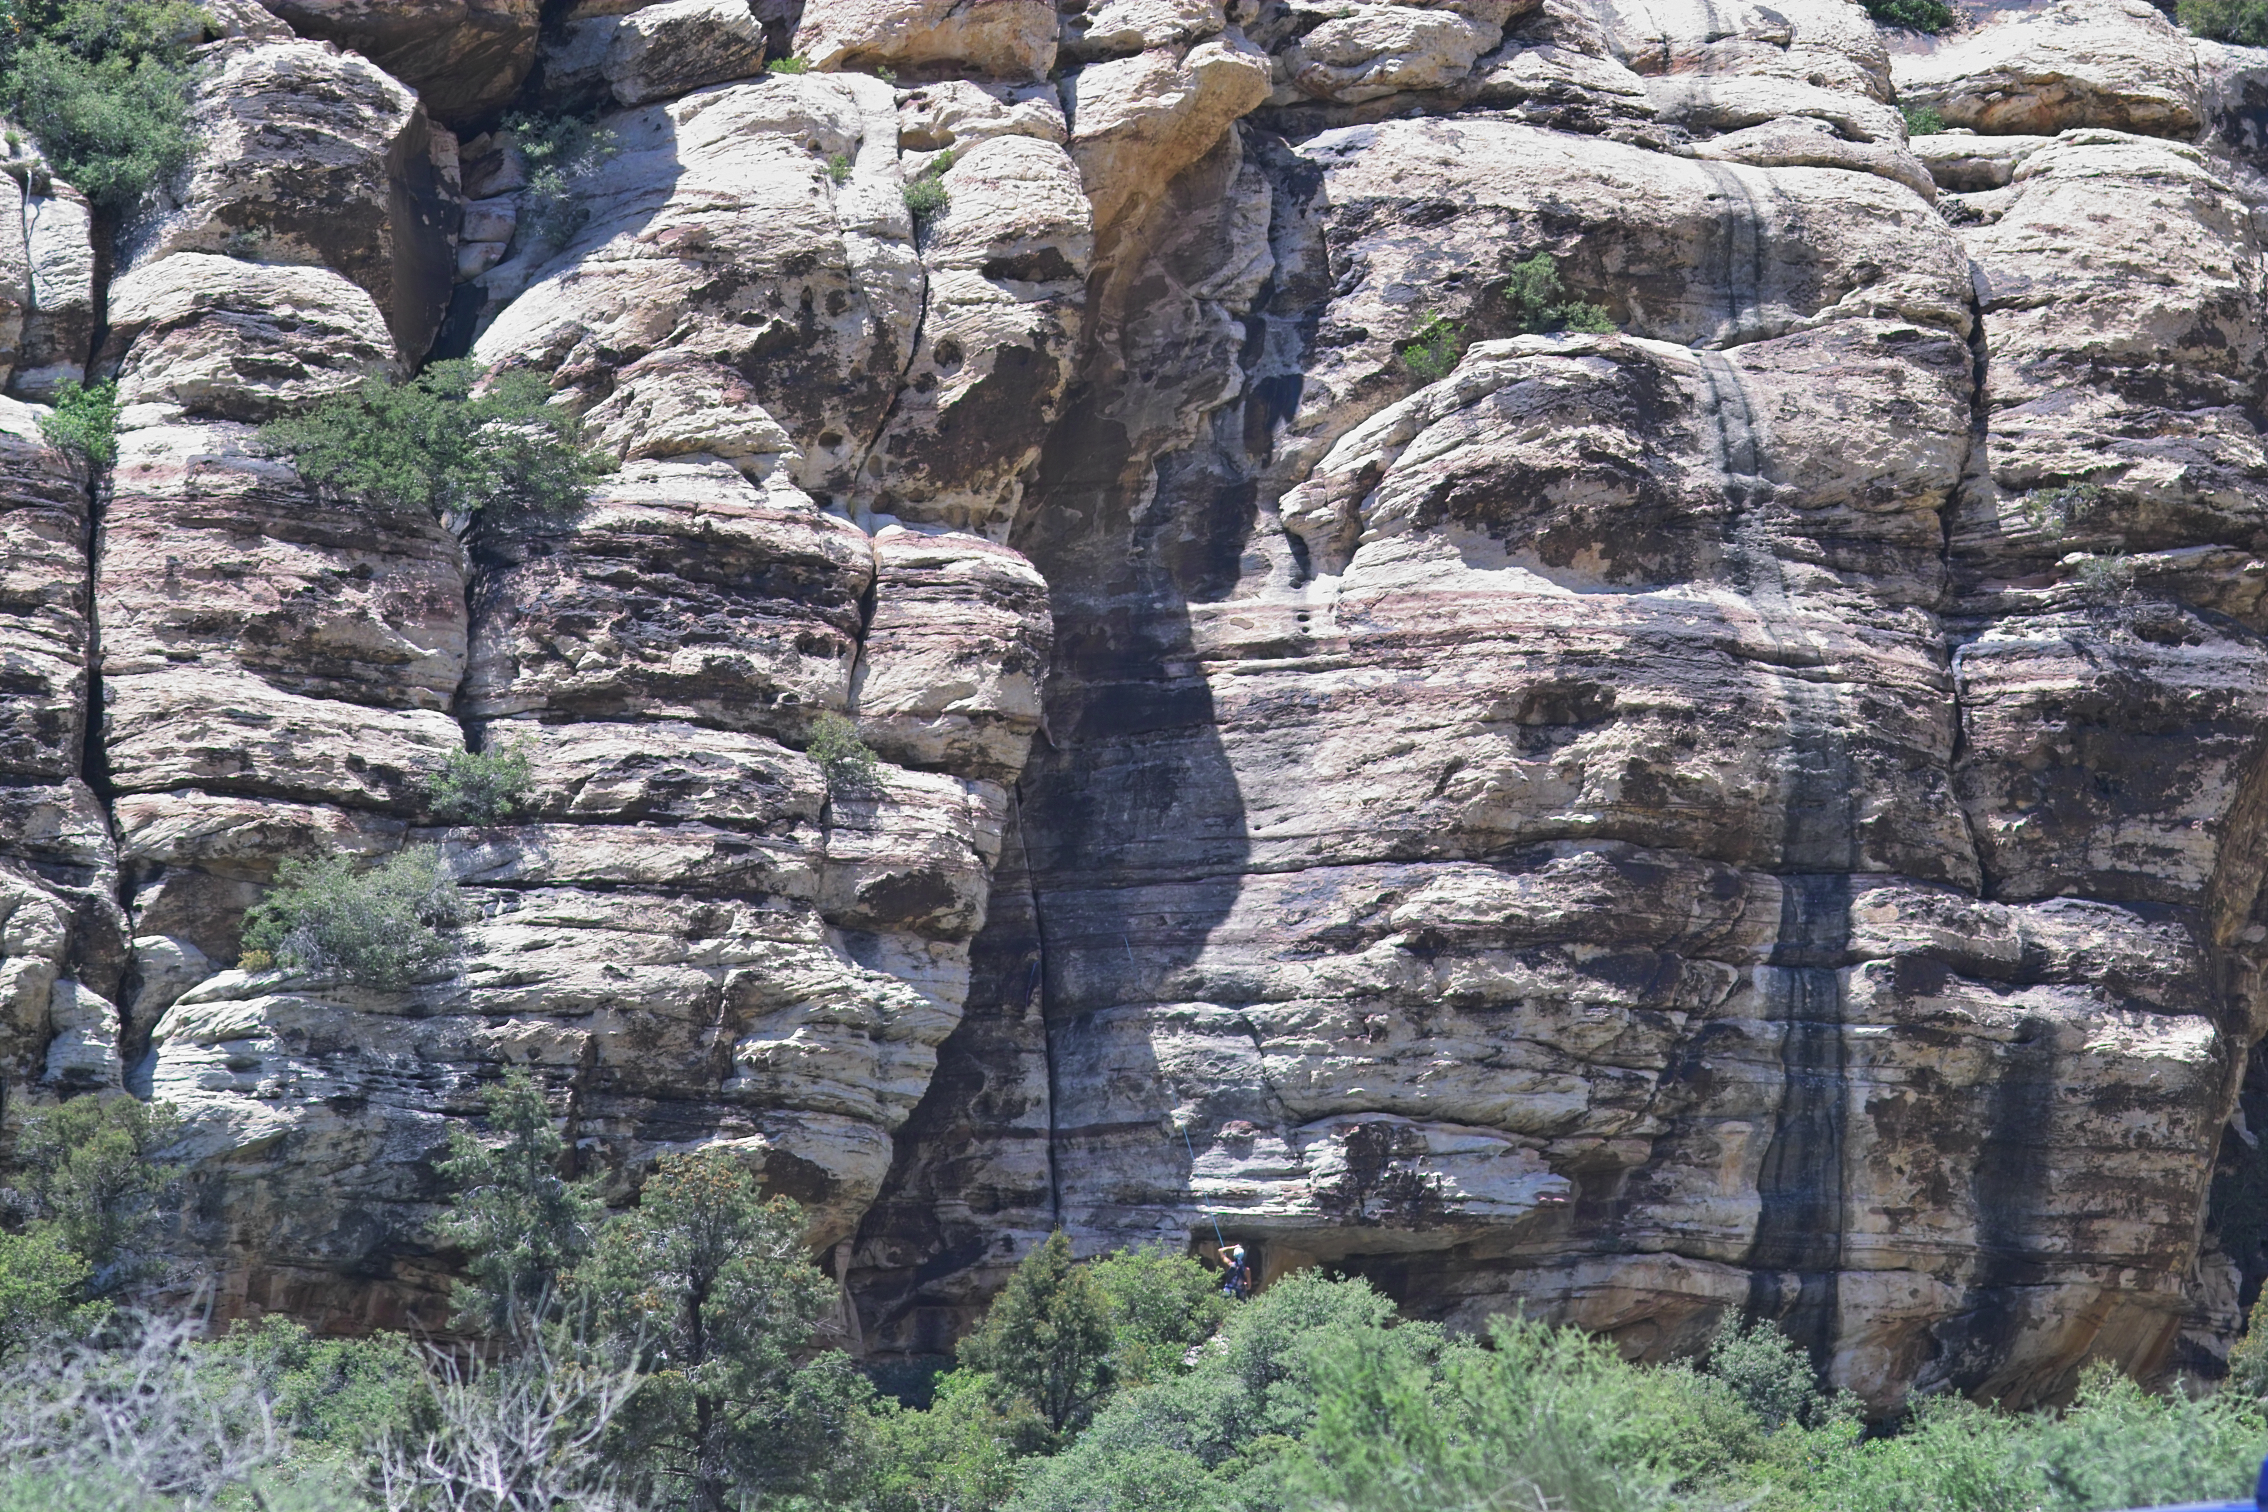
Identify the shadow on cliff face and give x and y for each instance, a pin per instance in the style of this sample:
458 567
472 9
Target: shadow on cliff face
1127 847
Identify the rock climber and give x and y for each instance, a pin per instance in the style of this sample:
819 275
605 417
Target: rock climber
1238 1282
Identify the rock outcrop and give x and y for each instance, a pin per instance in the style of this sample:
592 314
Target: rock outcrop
1756 809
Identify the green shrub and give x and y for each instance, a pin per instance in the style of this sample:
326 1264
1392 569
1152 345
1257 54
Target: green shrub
102 86
42 1286
1770 1375
1434 347
926 195
963 1452
1922 120
382 928
839 167
337 1395
92 1166
1224 1435
432 443
846 761
2243 22
2117 1446
483 787
1540 304
558 150
1047 1339
2248 1362
85 421
1911 15
2053 511
788 66
1161 1305
706 1285
524 1225
2105 579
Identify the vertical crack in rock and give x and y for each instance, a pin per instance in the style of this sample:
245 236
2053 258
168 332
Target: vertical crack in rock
1796 1256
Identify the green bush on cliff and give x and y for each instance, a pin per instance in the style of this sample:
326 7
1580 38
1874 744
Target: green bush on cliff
483 787
2243 22
84 421
847 762
1539 301
102 85
925 194
435 443
1432 350
384 927
1911 15
559 151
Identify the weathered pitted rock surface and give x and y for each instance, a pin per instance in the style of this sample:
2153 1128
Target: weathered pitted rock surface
305 154
1761 809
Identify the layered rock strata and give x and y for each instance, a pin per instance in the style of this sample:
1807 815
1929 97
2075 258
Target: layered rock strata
1758 810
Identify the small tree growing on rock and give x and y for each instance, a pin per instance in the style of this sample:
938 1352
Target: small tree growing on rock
434 443
846 761
483 787
524 1224
93 1171
1048 1337
381 928
705 1284
1539 300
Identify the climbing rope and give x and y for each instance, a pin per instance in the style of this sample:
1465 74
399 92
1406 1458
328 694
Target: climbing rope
1192 1149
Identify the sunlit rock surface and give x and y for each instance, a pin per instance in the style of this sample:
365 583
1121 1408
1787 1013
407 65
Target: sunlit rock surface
1759 809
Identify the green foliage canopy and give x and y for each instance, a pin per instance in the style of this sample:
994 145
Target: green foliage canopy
1048 1338
93 1167
1931 16
2243 22
1539 301
84 421
524 1225
483 787
102 85
433 443
384 927
707 1283
559 151
846 761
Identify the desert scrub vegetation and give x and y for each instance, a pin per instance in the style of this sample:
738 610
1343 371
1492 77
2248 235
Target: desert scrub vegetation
559 150
2053 512
847 762
788 66
925 193
102 86
1910 15
1540 304
674 1356
1432 350
2243 22
483 787
84 421
442 442
384 926
1922 120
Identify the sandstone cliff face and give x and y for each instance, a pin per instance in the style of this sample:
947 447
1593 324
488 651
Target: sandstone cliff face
1763 809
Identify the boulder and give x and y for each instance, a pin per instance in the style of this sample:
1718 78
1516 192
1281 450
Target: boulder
660 51
2111 63
997 39
465 58
59 317
308 155
242 341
